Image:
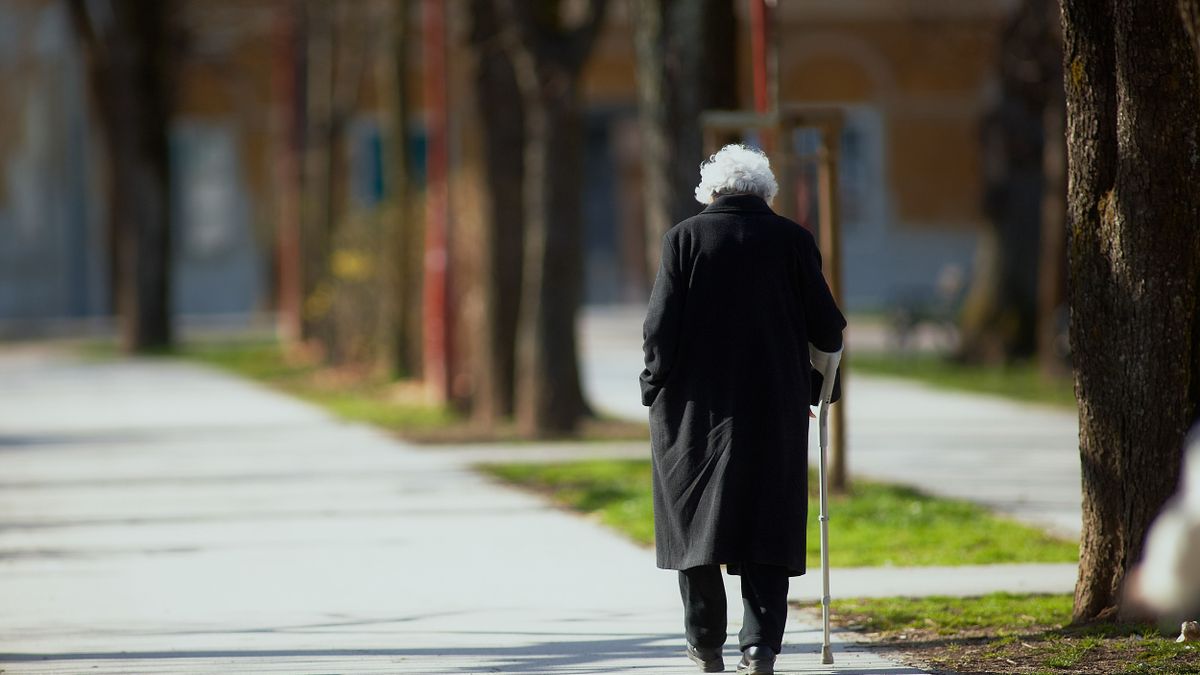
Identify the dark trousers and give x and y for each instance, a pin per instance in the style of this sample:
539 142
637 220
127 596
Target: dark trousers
764 601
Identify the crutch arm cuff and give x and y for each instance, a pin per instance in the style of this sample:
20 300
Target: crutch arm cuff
825 363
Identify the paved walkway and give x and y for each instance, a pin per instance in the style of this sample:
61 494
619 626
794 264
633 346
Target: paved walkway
158 517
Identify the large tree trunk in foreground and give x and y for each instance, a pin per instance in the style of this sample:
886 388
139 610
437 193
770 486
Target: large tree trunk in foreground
1134 251
128 68
547 58
685 63
502 117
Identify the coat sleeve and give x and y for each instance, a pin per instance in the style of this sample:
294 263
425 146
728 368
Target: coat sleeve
824 321
661 330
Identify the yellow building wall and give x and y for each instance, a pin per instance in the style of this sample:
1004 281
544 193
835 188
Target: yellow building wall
926 67
928 79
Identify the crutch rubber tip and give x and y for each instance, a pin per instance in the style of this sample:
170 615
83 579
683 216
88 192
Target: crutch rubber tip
826 655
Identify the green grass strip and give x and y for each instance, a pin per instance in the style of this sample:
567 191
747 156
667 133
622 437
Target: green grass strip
1019 382
876 524
946 615
361 400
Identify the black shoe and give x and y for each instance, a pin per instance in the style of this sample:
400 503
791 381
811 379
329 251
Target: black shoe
708 658
757 660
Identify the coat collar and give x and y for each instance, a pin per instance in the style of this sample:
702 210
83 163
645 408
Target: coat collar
741 202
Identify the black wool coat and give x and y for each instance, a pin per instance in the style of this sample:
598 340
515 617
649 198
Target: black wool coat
738 297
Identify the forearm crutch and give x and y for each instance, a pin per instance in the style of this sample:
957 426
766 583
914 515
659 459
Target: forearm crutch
825 363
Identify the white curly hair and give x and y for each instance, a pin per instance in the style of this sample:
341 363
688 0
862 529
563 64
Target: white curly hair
736 169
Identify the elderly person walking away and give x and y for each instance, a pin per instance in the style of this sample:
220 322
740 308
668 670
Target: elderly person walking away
737 303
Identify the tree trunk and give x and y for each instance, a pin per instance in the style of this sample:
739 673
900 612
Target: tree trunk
401 249
549 393
317 178
352 270
128 67
668 40
1134 252
547 60
1000 316
682 45
549 396
502 117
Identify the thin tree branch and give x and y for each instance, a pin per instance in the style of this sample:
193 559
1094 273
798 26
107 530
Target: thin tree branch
85 28
519 28
579 41
347 87
1189 10
568 49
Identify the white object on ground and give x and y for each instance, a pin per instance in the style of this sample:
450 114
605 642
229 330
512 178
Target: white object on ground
1168 579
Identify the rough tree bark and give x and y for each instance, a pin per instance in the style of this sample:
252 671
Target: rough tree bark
128 56
685 64
547 58
999 318
503 123
1133 121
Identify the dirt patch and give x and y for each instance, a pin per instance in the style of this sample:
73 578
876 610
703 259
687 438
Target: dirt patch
1039 649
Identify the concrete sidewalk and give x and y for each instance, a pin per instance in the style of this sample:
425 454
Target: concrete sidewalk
158 517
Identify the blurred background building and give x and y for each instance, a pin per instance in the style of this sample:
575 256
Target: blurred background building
915 78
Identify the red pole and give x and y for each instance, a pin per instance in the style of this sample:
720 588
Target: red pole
437 326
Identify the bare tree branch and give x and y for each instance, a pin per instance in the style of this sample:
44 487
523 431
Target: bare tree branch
85 28
518 26
1189 10
568 49
580 39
